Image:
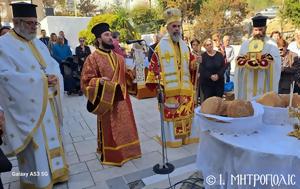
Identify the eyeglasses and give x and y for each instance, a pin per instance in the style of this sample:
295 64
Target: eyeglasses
81 40
31 23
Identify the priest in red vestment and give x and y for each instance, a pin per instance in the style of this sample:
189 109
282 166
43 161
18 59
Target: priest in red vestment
103 83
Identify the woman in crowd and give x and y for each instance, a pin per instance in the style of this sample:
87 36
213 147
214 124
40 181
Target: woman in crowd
290 68
52 41
212 71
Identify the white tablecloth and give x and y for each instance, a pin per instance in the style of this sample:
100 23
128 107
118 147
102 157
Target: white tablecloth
270 151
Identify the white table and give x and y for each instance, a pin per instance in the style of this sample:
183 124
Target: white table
230 157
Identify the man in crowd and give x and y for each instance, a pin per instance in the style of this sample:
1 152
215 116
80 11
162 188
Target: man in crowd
116 42
104 84
30 89
295 45
44 38
62 34
258 63
156 41
229 51
173 69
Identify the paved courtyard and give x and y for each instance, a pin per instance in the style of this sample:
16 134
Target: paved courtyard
79 138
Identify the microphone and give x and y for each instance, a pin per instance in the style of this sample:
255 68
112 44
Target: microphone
134 41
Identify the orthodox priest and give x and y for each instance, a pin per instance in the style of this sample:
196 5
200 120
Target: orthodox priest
103 83
173 67
30 93
258 64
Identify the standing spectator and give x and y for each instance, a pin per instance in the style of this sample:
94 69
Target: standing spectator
116 42
61 33
156 41
4 30
61 52
217 43
290 68
4 162
82 52
52 41
295 45
229 51
44 38
275 35
212 71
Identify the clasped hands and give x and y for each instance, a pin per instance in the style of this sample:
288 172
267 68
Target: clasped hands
52 80
214 77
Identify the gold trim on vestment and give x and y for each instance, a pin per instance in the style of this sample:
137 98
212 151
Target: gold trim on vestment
30 135
122 146
122 162
96 91
255 82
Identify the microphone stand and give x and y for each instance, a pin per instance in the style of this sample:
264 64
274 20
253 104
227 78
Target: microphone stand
166 167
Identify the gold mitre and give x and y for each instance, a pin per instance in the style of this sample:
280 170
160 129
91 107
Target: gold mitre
172 15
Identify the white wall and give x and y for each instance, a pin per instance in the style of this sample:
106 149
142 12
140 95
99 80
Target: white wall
70 25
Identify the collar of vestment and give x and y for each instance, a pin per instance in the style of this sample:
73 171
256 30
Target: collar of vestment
105 51
18 36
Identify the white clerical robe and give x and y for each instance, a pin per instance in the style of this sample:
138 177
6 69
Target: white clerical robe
250 82
32 111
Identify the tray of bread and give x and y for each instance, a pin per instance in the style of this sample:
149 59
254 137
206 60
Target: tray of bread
230 117
276 107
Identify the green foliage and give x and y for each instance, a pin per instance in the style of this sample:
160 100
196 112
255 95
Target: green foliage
117 22
223 16
146 20
291 11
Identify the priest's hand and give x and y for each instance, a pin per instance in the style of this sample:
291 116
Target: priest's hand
214 77
102 79
52 80
2 122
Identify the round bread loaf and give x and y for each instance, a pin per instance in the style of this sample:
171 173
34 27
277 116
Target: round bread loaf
211 105
239 108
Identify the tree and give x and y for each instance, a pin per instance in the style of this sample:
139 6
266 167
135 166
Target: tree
146 20
87 7
189 8
48 3
223 16
118 22
291 11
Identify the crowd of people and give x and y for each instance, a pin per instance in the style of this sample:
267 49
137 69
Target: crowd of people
33 74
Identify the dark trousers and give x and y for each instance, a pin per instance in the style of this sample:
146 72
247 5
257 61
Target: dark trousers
227 73
215 90
1 185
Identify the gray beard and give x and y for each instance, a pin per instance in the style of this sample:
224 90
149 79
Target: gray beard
22 31
175 37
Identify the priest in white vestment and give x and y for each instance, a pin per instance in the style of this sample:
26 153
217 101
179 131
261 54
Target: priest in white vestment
30 95
258 64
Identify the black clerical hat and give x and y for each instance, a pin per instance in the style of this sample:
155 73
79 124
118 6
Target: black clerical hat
98 29
259 20
23 9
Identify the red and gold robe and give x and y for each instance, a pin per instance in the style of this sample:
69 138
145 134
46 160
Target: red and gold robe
118 140
175 69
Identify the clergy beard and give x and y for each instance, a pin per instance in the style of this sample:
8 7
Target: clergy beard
107 46
259 36
176 36
21 30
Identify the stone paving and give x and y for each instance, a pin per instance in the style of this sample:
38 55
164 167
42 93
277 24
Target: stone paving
79 138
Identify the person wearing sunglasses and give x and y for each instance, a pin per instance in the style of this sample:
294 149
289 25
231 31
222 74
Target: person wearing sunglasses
82 52
258 63
30 95
290 68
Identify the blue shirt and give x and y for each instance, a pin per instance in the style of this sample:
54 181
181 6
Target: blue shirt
61 52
